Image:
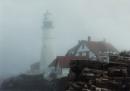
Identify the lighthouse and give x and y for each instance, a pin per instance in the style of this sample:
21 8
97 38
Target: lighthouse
46 51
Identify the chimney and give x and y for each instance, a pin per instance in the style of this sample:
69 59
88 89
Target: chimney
89 38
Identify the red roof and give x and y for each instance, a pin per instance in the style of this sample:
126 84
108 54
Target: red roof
94 46
64 61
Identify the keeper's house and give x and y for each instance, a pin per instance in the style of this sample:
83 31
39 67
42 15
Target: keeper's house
85 49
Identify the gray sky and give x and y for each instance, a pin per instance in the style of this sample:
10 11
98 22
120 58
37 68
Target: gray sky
21 22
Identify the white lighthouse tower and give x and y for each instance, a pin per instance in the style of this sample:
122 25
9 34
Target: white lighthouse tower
46 51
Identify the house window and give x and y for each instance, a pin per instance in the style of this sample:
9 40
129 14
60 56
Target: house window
83 46
87 54
83 53
80 53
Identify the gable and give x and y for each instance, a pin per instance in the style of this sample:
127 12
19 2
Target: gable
83 48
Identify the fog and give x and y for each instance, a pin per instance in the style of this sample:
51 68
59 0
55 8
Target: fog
21 28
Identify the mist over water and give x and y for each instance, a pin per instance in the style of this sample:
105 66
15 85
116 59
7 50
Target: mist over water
21 28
